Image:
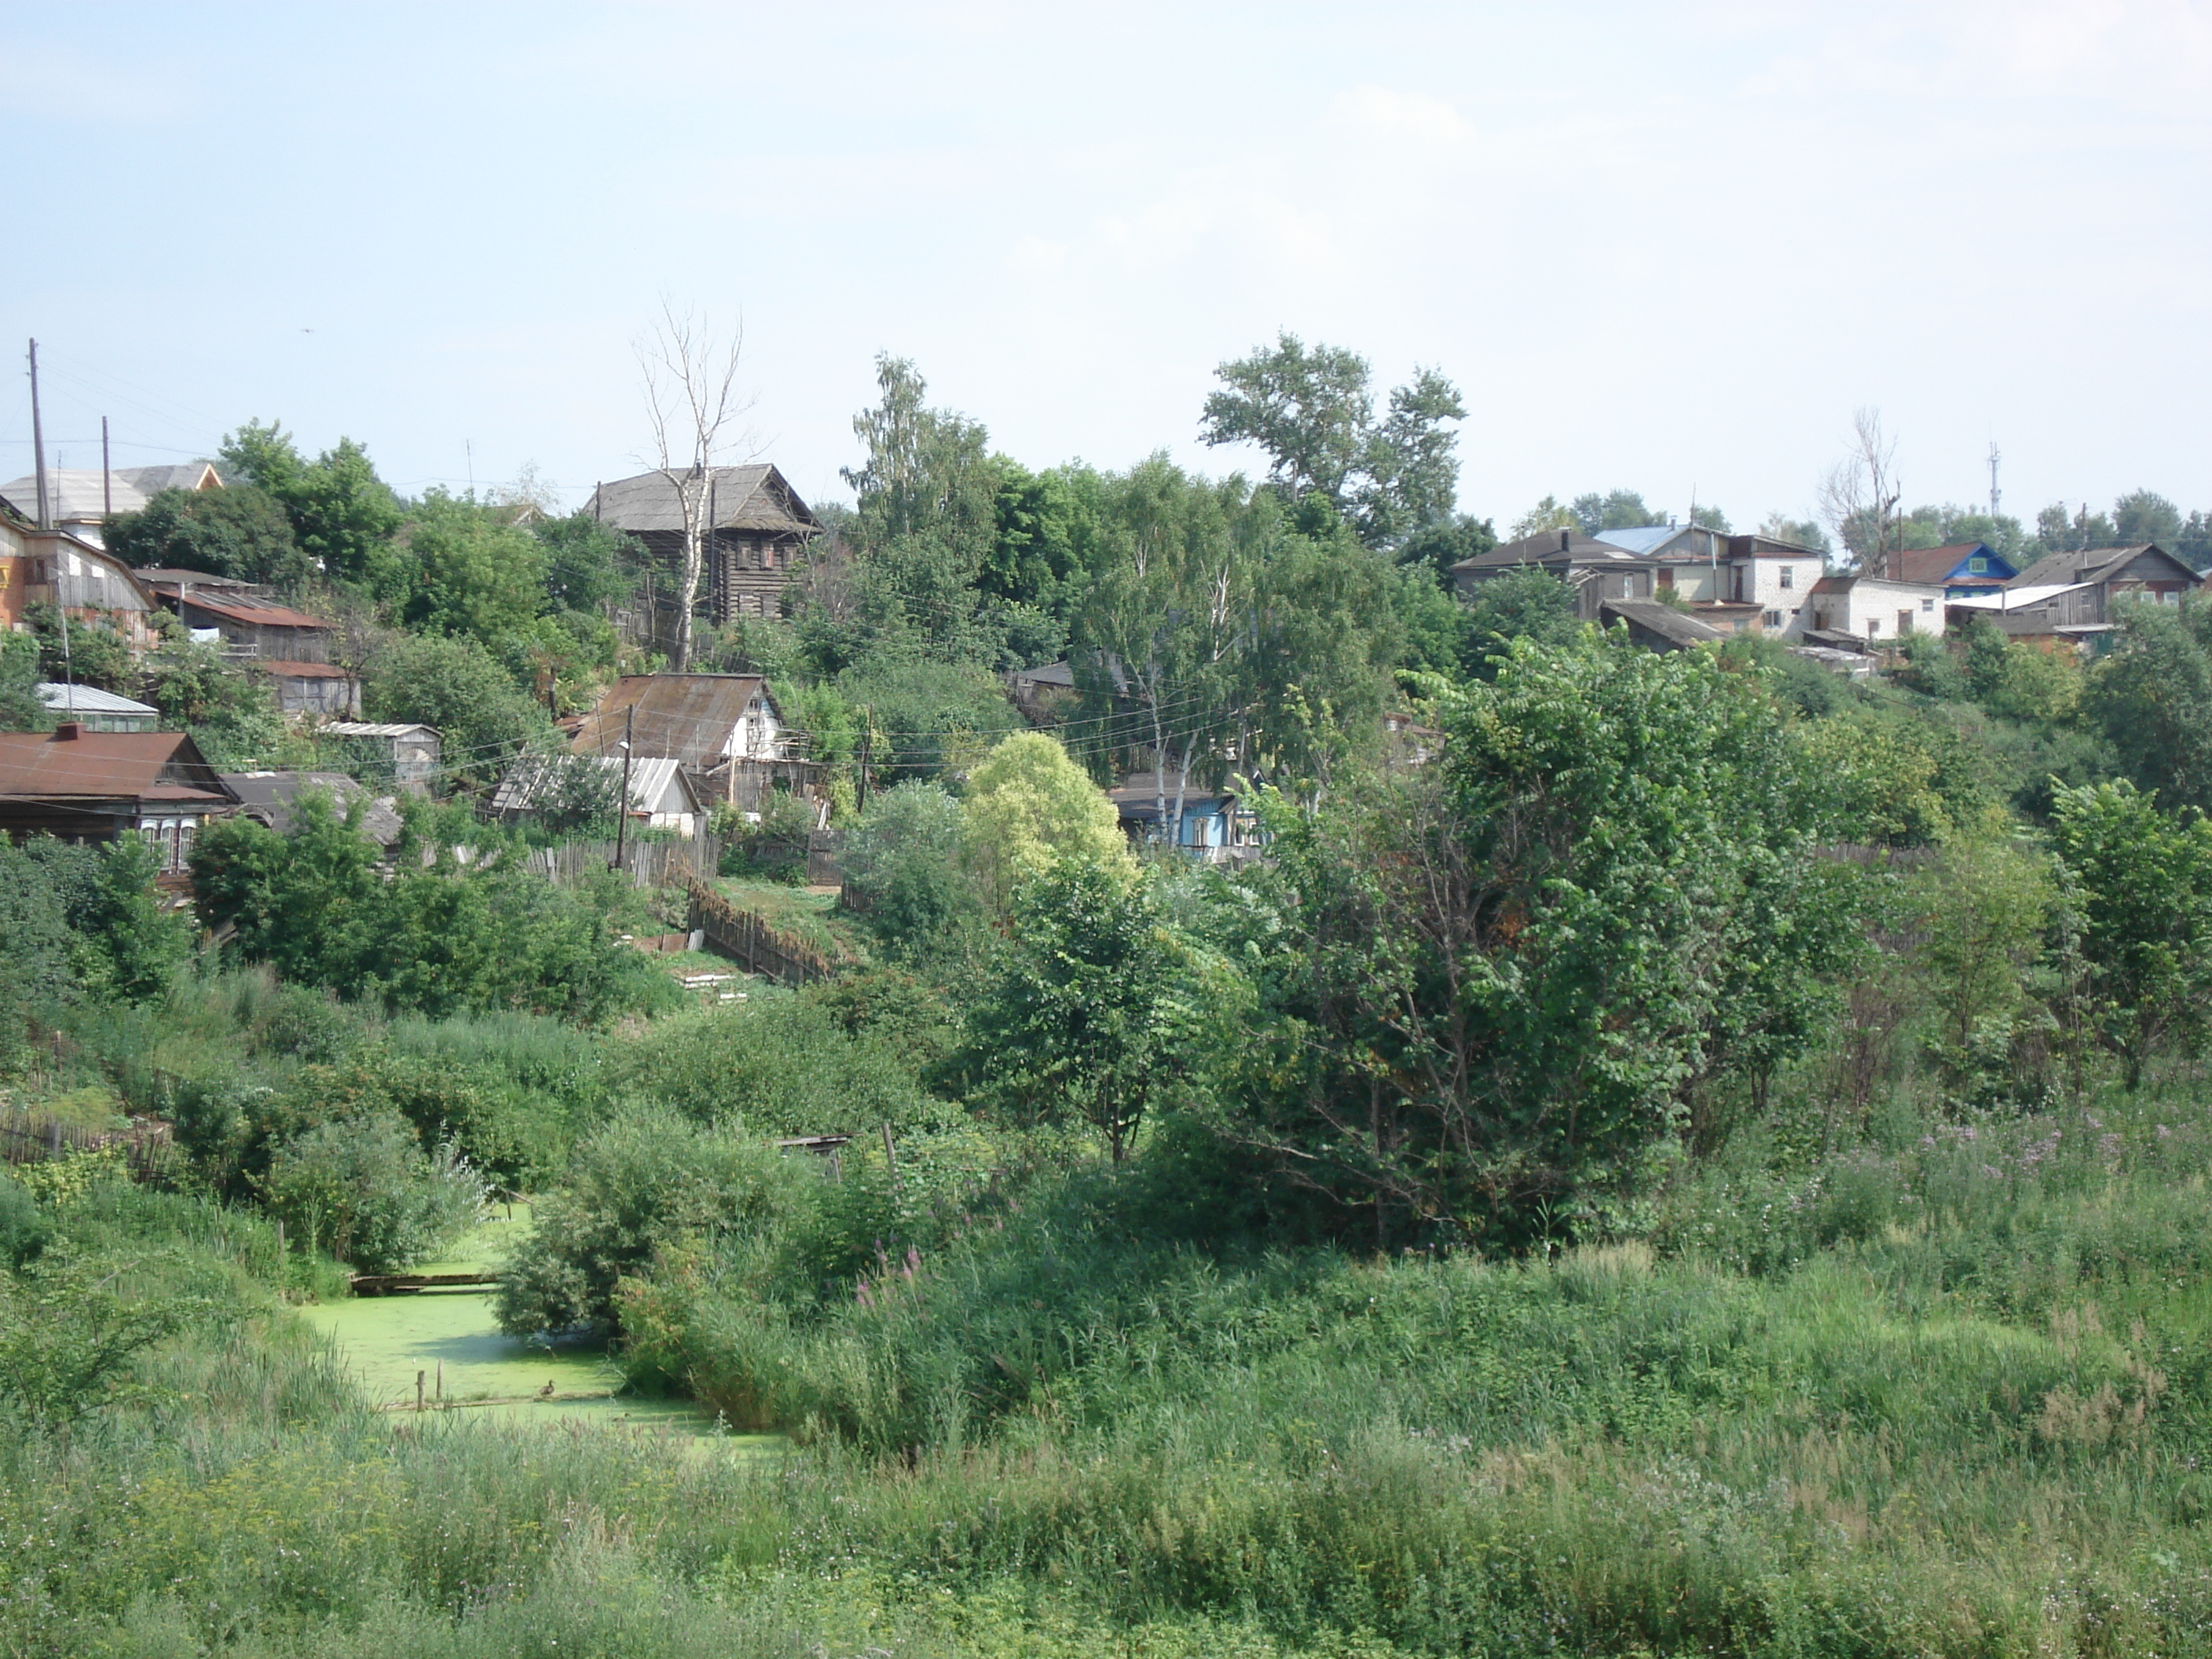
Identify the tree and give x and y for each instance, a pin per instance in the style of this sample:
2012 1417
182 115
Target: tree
457 686
1859 496
1529 603
1439 544
1501 977
473 573
2143 515
343 515
690 399
1312 413
2143 886
20 708
240 531
1079 1023
903 872
587 563
2152 695
1547 514
1622 509
1026 806
1798 532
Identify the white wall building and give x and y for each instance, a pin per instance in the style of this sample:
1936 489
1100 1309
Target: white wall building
1872 607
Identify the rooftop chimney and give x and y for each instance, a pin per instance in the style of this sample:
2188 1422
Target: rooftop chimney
1565 535
68 731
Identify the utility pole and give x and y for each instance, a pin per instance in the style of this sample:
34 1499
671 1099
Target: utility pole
38 444
622 814
106 480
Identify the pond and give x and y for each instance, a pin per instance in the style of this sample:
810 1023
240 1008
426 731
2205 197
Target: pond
469 1365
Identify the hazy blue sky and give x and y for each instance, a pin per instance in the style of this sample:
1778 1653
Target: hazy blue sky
1658 246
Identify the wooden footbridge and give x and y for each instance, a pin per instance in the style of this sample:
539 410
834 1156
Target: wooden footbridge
414 1284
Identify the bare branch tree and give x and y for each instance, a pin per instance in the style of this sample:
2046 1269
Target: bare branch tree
691 399
1859 496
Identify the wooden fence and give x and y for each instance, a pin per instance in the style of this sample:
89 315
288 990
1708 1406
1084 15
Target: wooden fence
647 863
746 938
28 1138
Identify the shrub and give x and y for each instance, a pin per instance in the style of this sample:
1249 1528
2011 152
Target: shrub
363 1189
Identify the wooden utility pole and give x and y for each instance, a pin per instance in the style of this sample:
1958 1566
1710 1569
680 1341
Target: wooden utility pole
38 444
622 806
106 478
867 722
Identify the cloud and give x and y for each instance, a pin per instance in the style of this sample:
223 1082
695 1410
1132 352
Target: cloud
1404 115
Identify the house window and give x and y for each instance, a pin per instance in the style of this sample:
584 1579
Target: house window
1905 622
1628 587
1774 619
1874 627
1978 566
1927 607
1788 577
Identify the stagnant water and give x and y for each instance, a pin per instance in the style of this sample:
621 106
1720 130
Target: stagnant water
471 1367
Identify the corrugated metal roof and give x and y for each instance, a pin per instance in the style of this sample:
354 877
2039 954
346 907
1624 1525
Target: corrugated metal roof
375 729
2012 599
107 766
1545 548
85 700
686 717
257 612
2091 564
756 497
656 785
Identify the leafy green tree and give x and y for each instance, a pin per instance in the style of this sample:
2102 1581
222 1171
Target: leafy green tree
240 531
2152 696
2063 532
1798 532
904 872
1890 778
2143 515
1313 414
1027 806
587 563
1080 1023
136 943
37 947
362 1188
20 709
82 653
69 1336
2142 881
1527 604
1547 514
343 515
1506 975
472 572
457 686
1981 914
1619 510
1441 543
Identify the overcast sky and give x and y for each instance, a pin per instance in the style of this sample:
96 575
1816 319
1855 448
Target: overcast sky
1662 247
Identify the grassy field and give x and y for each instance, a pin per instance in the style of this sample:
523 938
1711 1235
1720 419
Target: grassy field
1948 1391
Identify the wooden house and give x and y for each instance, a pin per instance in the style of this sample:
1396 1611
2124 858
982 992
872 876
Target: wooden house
1210 825
91 586
92 785
757 534
663 795
725 729
1595 570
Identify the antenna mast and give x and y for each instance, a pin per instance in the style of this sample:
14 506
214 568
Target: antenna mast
1996 495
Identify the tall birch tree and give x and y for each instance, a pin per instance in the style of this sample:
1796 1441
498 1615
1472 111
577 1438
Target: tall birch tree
691 400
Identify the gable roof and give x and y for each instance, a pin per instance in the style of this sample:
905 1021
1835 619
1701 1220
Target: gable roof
692 718
756 497
80 495
2095 564
1550 547
1645 540
113 766
1937 565
271 796
252 609
89 700
651 782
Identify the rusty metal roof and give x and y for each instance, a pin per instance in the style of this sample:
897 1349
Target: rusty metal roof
265 613
684 717
108 766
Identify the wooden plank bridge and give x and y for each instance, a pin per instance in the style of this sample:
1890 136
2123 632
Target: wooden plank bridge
414 1284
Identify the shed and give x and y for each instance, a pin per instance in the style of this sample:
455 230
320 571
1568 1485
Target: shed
662 793
411 751
1657 626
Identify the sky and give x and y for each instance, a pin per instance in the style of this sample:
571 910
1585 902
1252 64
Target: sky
1664 247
